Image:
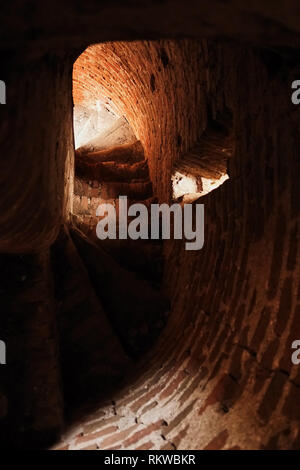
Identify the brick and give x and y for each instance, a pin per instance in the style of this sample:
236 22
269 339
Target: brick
96 435
142 433
118 436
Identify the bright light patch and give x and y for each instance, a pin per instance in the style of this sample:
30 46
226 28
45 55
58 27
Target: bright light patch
209 185
90 122
190 188
184 184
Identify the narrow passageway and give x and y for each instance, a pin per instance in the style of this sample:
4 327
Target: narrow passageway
199 368
142 344
110 165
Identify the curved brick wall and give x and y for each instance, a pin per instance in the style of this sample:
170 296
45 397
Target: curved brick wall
150 84
37 157
221 375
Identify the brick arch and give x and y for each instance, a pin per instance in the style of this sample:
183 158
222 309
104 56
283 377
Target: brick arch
124 73
221 374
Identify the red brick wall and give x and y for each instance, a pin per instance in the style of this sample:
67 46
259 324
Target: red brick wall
221 375
36 140
157 86
237 300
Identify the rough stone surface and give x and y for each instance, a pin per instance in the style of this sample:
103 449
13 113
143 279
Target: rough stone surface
221 374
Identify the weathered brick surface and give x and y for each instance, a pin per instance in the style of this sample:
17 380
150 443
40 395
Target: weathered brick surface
173 107
234 303
41 158
221 375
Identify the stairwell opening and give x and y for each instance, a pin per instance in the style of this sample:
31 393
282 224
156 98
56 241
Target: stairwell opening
204 167
113 158
213 371
110 161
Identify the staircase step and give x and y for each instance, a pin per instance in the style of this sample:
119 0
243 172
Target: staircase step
92 357
128 153
143 257
110 171
135 189
118 133
136 310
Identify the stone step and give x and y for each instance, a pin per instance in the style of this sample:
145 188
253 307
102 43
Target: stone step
143 257
87 223
128 153
117 133
140 189
92 358
135 190
136 310
110 171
